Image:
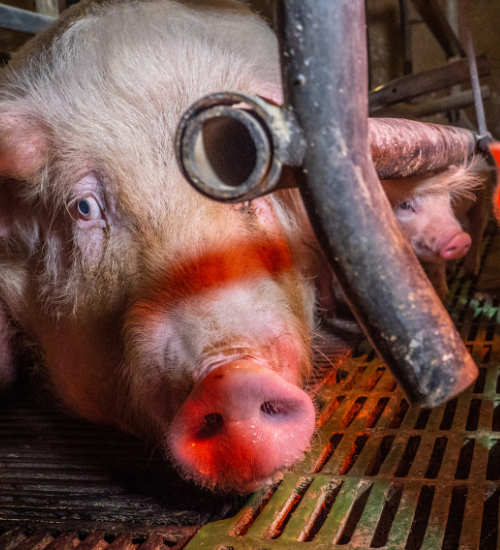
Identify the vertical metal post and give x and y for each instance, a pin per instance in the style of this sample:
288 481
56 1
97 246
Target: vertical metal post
404 14
474 77
324 66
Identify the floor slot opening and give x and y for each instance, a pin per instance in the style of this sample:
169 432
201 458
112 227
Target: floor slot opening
408 457
455 519
465 459
420 519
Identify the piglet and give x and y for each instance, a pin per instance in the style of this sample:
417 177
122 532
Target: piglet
443 217
434 211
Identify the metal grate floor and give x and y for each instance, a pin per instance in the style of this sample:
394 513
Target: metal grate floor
380 474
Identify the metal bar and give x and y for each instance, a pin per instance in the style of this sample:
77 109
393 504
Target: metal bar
402 148
458 100
435 19
411 86
474 77
323 55
452 16
23 20
406 36
47 7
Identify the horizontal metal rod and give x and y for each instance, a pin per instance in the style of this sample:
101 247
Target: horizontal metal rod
402 148
23 20
435 19
415 85
459 100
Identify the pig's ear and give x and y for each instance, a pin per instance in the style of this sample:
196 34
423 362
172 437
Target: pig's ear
23 145
23 148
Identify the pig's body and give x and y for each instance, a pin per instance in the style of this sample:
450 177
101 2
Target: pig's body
433 211
148 305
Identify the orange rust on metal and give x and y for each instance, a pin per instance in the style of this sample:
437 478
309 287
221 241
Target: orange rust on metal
402 148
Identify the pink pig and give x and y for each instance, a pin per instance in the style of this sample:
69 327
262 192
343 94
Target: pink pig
428 208
146 305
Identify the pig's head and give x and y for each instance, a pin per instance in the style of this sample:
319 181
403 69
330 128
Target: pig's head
151 307
424 208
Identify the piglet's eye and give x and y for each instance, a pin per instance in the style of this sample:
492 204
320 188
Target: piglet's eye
405 206
88 209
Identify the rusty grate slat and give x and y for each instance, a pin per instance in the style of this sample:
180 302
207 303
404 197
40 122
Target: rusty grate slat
383 474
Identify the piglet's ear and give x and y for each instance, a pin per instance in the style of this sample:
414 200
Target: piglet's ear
23 145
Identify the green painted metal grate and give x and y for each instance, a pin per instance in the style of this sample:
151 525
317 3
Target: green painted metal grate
384 474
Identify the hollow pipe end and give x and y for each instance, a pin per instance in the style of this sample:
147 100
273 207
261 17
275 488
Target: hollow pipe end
226 149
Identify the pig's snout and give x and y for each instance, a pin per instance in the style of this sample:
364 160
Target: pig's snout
240 426
456 247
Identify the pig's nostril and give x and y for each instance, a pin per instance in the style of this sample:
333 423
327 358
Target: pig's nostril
271 408
212 426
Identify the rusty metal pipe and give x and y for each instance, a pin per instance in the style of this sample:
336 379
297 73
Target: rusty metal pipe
401 147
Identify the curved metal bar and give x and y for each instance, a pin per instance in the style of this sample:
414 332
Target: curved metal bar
323 54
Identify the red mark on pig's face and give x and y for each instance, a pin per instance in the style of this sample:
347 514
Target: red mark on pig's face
235 264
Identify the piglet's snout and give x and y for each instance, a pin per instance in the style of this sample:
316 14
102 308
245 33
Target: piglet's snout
241 425
457 247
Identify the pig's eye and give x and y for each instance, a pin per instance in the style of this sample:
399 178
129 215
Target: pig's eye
405 206
88 209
